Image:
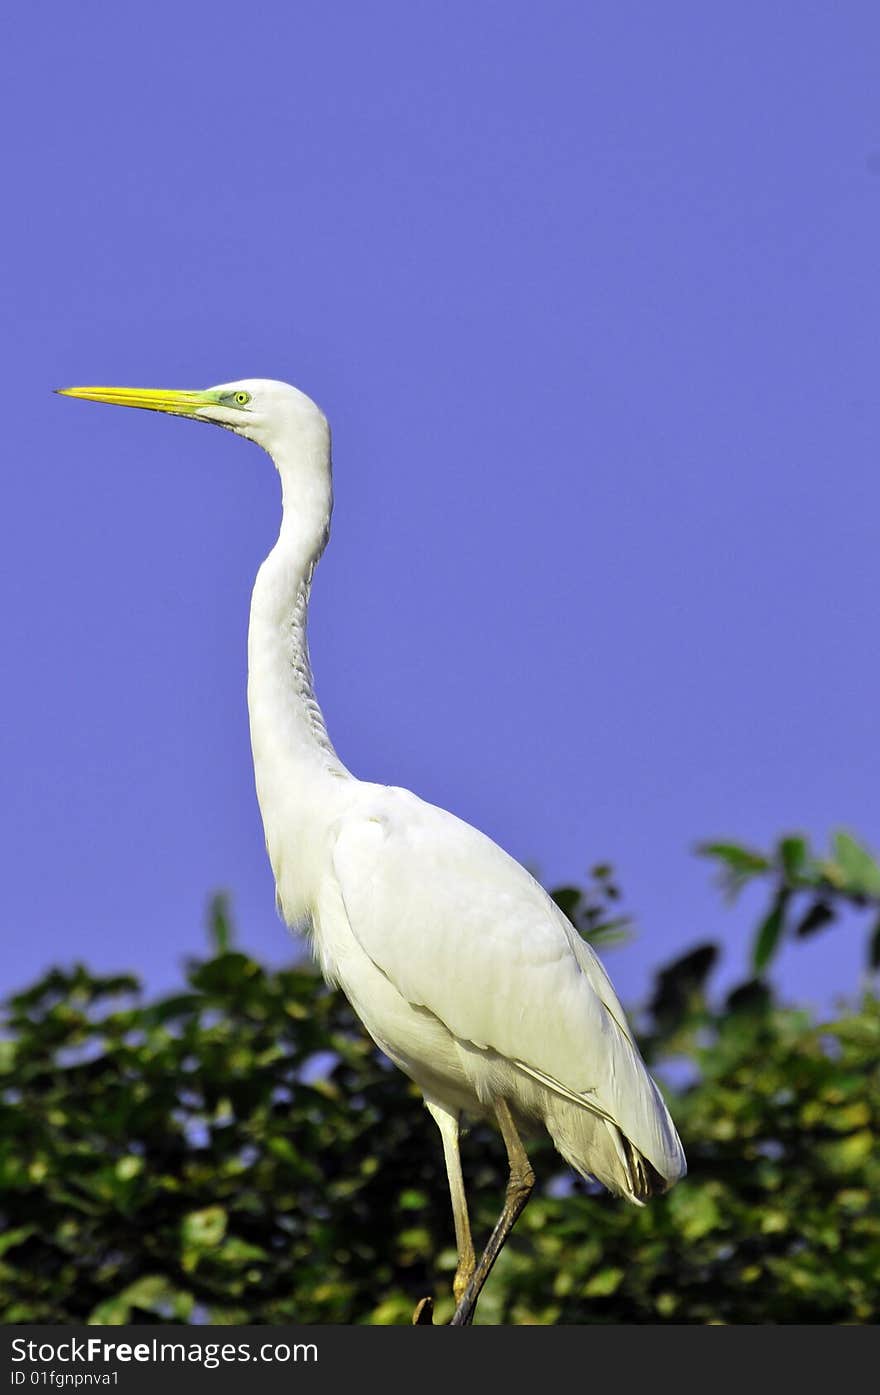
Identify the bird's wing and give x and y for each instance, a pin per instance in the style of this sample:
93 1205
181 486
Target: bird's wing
463 930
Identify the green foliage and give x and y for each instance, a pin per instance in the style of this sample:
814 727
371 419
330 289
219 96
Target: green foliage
239 1152
592 909
809 892
776 1221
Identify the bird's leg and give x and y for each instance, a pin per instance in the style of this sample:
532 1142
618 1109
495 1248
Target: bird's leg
447 1122
519 1189
424 1313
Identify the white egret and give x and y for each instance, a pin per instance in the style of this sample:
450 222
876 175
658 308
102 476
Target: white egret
458 963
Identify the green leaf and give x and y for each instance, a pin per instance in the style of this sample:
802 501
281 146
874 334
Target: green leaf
817 918
700 1216
680 984
738 858
793 853
860 873
604 1282
850 1152
568 899
237 1251
129 1167
11 1238
113 1312
226 973
607 932
770 933
154 1293
738 864
411 1199
220 922
203 1230
753 996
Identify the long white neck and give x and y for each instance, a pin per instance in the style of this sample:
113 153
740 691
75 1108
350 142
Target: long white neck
297 771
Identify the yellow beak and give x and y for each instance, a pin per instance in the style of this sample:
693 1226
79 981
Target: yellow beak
181 404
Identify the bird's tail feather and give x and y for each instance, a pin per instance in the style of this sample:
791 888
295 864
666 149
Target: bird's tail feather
596 1148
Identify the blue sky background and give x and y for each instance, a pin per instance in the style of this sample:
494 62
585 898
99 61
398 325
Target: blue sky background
590 294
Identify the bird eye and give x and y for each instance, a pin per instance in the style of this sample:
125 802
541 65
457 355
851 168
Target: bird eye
242 399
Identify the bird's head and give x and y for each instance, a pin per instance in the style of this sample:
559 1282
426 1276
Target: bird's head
277 416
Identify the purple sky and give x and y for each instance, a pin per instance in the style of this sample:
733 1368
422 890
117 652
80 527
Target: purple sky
590 294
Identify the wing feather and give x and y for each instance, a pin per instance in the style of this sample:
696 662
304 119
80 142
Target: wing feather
463 930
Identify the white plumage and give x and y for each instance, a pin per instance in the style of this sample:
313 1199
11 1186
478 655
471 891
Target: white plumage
520 1003
458 963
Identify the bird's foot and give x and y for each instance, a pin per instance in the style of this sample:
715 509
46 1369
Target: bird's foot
424 1313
